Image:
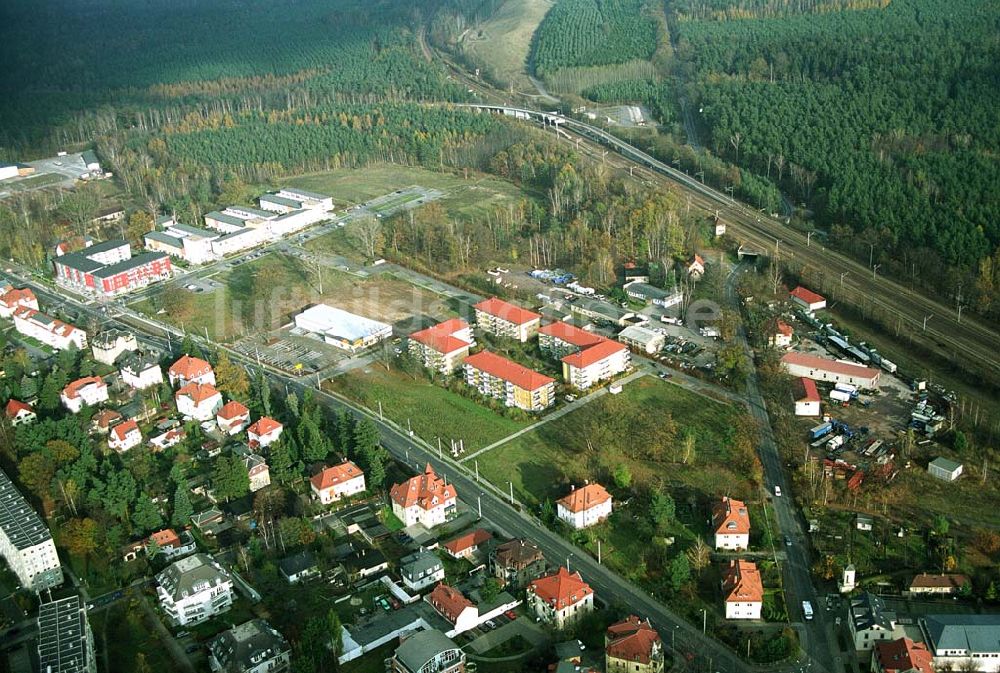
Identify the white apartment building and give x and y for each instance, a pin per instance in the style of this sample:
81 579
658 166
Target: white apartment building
12 299
141 370
25 542
502 318
444 346
85 392
194 589
51 332
597 363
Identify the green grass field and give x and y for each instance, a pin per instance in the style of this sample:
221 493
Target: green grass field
35 182
432 410
501 45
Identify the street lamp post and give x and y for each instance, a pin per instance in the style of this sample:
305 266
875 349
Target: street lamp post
842 279
875 270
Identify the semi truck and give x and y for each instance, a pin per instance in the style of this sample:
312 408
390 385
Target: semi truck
840 395
820 430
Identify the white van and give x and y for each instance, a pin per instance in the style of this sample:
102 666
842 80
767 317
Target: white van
777 491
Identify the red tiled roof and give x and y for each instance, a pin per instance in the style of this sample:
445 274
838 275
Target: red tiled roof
53 326
730 517
589 356
809 392
440 337
741 582
166 538
198 392
105 418
808 296
784 328
232 410
903 656
263 426
632 640
508 370
17 296
582 499
449 602
506 311
467 541
835 366
571 334
426 490
14 407
946 581
698 260
121 430
189 368
72 391
561 589
338 474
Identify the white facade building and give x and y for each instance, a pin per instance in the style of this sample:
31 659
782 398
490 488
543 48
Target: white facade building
108 346
25 541
141 370
424 499
198 401
85 392
339 481
194 589
584 507
342 329
51 332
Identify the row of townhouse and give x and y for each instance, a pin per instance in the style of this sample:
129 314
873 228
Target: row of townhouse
109 269
50 331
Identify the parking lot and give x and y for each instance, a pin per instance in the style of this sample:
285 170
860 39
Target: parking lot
401 199
54 171
292 353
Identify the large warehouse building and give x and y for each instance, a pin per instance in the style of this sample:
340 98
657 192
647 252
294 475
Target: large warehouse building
342 329
834 371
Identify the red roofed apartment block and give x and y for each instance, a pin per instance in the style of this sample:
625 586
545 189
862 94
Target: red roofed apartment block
50 331
633 646
232 417
191 370
587 358
18 412
339 481
15 298
443 346
743 589
584 507
731 522
264 432
560 598
807 299
125 436
499 317
514 384
425 499
466 545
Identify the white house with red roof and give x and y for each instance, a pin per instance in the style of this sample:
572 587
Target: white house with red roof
444 346
199 401
339 481
832 371
458 610
633 646
514 384
51 332
85 392
125 436
696 267
742 589
15 298
191 370
584 507
807 398
18 413
560 598
560 338
425 499
464 546
902 656
807 299
731 522
232 417
782 337
504 319
165 440
264 432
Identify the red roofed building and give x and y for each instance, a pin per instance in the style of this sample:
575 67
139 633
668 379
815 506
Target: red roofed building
198 401
88 391
585 506
782 337
559 339
633 645
807 400
339 481
507 320
834 371
696 267
424 499
597 363
560 598
902 656
48 330
464 546
125 436
232 417
15 298
191 370
743 590
514 384
456 608
731 522
807 299
940 584
443 346
18 412
264 432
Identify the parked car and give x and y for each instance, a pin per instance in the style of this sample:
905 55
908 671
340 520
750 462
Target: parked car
490 624
511 615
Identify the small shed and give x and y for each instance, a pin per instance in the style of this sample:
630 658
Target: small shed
944 469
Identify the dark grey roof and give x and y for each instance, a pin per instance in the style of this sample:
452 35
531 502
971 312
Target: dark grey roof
601 308
138 362
288 216
968 633
250 210
89 157
416 565
104 246
164 238
421 647
64 636
868 611
190 575
128 264
108 338
78 261
234 234
194 231
19 522
316 196
281 200
249 645
222 217
297 563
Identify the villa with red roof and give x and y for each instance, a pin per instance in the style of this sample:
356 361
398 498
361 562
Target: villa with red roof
504 319
232 417
902 656
191 370
807 299
264 432
464 546
425 499
807 399
18 412
443 346
124 436
339 481
514 384
560 598
833 371
743 590
584 507
731 522
633 646
85 392
782 337
15 298
198 401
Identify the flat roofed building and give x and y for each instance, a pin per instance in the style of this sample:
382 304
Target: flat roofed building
251 647
342 329
225 223
65 640
25 541
642 339
945 469
514 384
428 651
279 204
502 318
653 295
444 346
306 198
834 371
